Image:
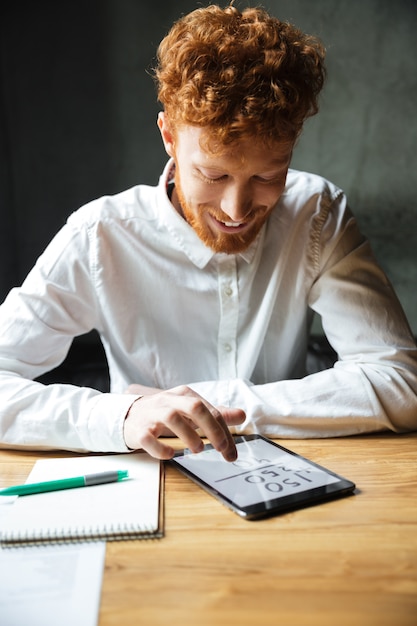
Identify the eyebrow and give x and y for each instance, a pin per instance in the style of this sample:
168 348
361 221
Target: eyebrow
278 162
282 160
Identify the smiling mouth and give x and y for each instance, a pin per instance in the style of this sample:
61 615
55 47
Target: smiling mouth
229 227
232 224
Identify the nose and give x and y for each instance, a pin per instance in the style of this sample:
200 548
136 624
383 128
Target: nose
236 202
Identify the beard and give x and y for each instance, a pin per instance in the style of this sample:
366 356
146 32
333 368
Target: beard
218 241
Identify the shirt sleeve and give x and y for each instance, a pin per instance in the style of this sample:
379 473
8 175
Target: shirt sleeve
38 321
373 385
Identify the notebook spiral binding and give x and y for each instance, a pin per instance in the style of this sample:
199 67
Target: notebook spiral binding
112 532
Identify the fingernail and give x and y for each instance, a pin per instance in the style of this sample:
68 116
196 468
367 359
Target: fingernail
231 455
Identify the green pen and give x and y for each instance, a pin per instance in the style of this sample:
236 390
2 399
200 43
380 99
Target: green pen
65 483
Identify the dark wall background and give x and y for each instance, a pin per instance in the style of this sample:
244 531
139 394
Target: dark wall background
78 116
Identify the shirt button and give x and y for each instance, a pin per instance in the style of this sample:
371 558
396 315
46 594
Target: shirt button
227 347
228 291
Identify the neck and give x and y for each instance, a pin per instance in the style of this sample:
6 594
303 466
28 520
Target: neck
176 203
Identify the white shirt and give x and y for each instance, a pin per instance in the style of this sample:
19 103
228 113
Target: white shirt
234 328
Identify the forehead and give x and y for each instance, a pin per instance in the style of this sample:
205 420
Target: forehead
196 144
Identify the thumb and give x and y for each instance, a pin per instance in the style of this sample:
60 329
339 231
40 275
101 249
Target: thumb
232 416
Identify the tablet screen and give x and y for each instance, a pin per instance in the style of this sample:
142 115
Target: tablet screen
263 475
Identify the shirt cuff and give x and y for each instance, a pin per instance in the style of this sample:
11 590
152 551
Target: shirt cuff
104 428
215 391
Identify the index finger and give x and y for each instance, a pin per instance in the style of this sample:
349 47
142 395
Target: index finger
227 446
210 420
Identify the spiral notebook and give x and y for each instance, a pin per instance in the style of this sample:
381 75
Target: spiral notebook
129 509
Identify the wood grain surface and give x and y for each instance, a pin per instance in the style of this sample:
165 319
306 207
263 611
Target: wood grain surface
349 562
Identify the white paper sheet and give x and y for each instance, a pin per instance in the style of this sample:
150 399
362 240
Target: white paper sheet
51 584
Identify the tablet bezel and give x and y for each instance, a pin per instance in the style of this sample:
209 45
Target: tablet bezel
277 505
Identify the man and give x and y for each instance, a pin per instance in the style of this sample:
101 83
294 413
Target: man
203 288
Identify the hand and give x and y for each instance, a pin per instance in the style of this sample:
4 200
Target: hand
180 411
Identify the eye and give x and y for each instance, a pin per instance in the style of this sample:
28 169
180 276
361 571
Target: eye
268 181
210 177
273 179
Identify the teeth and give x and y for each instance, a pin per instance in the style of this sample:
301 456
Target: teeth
232 224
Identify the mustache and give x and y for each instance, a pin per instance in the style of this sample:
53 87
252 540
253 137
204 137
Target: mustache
255 213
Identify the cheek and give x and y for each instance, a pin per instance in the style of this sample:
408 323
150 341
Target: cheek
201 195
270 196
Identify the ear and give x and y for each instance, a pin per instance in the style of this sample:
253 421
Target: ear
166 133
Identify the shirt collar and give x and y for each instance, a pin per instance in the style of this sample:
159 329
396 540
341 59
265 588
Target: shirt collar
184 234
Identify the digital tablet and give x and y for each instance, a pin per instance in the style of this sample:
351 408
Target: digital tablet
266 479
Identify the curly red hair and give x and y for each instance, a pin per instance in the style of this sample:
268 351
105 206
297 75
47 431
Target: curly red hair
239 74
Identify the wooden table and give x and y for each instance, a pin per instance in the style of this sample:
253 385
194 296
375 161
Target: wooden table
350 562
